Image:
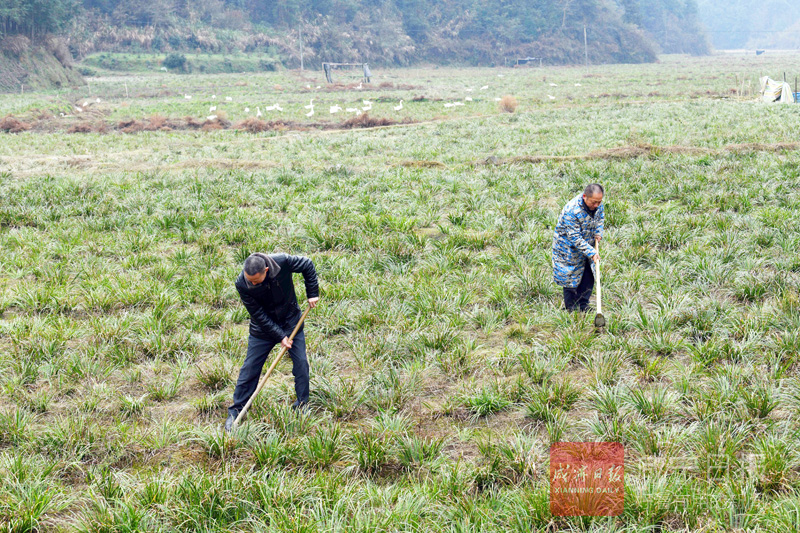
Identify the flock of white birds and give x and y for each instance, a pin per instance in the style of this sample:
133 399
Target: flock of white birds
365 106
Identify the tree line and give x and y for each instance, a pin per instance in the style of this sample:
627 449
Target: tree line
387 31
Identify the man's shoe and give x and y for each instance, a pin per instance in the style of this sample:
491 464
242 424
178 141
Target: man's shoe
229 423
299 407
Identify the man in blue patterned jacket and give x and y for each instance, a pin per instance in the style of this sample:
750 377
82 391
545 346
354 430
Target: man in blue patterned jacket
579 226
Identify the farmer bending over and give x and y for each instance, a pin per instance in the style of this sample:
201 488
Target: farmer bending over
267 291
579 226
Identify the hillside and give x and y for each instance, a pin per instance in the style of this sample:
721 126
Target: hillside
27 66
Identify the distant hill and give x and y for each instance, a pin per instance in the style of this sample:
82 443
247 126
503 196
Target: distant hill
387 32
734 24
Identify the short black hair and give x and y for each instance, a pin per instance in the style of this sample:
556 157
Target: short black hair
254 264
593 188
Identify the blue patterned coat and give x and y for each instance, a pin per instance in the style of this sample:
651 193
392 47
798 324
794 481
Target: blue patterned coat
573 241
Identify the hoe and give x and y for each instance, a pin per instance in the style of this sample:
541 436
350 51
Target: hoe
269 371
599 319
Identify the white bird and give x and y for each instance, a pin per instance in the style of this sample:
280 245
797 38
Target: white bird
553 84
335 109
458 103
360 84
351 109
187 96
278 108
484 87
501 75
97 100
319 87
358 112
468 99
551 97
310 104
577 85
366 108
308 86
62 114
213 96
497 99
310 113
468 89
271 107
85 104
78 109
366 103
448 104
258 112
212 108
228 99
246 109
212 117
399 107
164 69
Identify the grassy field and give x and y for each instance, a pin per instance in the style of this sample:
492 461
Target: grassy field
442 364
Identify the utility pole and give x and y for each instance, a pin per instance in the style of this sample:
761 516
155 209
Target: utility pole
585 47
301 46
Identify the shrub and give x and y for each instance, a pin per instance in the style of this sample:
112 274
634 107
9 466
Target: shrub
508 104
175 61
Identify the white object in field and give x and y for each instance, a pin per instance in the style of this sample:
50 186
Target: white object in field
468 89
97 100
319 87
553 84
278 107
213 96
164 69
212 109
484 87
468 99
79 109
228 99
448 104
246 109
776 91
360 84
85 104
62 114
366 108
577 85
458 103
310 113
366 103
351 109
335 109
551 97
187 96
212 117
497 99
399 107
501 75
258 111
308 86
310 104
358 112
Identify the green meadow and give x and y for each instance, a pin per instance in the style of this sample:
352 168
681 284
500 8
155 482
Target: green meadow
442 364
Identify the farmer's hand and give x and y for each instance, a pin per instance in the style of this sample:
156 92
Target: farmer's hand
286 343
312 302
596 259
598 237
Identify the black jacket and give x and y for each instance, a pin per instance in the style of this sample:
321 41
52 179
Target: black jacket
272 304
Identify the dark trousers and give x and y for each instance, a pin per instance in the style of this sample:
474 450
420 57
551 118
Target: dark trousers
249 374
578 298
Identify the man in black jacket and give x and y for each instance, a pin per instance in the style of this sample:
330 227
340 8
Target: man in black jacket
267 291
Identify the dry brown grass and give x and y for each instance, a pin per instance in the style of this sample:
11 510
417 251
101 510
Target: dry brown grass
82 127
422 163
508 104
253 125
12 125
366 121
